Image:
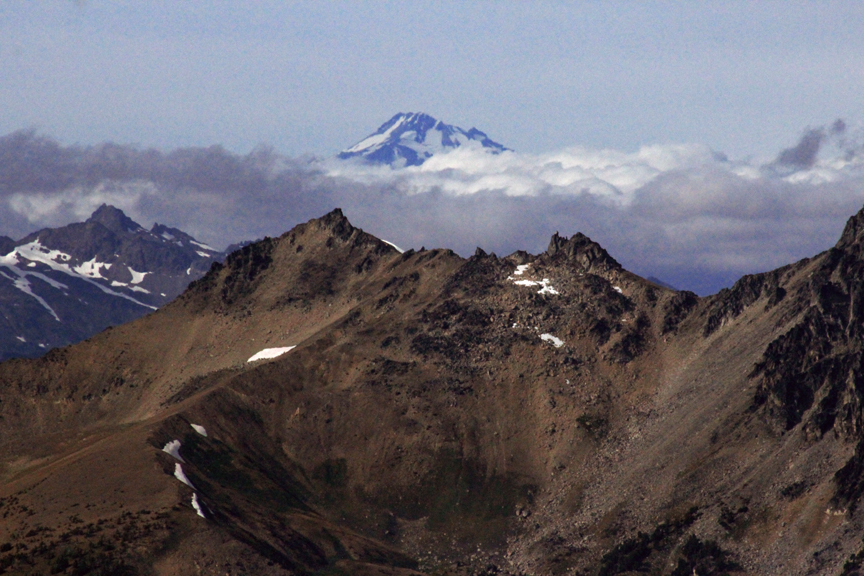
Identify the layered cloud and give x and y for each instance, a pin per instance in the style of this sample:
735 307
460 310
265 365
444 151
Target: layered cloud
682 213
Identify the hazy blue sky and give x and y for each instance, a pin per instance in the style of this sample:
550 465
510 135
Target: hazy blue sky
740 77
615 110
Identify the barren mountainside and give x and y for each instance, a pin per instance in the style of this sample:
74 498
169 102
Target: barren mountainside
531 414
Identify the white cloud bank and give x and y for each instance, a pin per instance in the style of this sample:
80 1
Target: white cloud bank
682 213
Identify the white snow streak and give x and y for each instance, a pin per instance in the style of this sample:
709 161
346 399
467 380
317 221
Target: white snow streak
400 250
21 283
197 506
376 139
557 342
204 246
268 353
92 268
56 260
199 429
178 473
546 288
137 277
173 448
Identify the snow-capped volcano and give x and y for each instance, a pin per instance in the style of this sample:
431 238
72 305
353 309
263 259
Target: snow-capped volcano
408 139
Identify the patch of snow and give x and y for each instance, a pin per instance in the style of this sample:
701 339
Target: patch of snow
197 506
115 283
376 139
31 265
269 353
521 269
36 252
188 270
546 288
515 325
618 289
173 448
138 289
167 236
21 338
92 268
557 342
199 429
24 285
203 254
401 251
178 473
137 277
162 294
204 246
41 345
56 260
21 283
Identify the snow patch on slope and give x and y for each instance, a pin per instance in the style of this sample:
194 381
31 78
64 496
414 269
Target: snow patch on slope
181 476
173 448
137 277
203 246
557 342
398 249
269 353
22 284
197 506
92 268
57 261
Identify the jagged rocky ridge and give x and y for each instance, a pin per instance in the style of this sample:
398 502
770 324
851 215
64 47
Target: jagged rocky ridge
534 414
59 286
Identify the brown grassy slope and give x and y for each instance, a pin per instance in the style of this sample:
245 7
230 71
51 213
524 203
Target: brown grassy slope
422 412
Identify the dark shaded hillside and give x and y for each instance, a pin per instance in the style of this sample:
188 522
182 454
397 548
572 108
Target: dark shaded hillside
548 414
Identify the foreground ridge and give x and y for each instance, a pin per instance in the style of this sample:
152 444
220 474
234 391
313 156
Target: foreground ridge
322 403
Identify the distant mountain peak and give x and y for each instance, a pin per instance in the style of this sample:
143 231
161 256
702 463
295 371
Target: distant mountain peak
410 138
114 219
61 285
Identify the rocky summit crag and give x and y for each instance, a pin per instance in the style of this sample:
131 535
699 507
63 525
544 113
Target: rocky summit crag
61 285
421 412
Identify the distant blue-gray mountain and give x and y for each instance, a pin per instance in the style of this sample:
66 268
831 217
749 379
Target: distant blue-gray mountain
409 139
62 285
